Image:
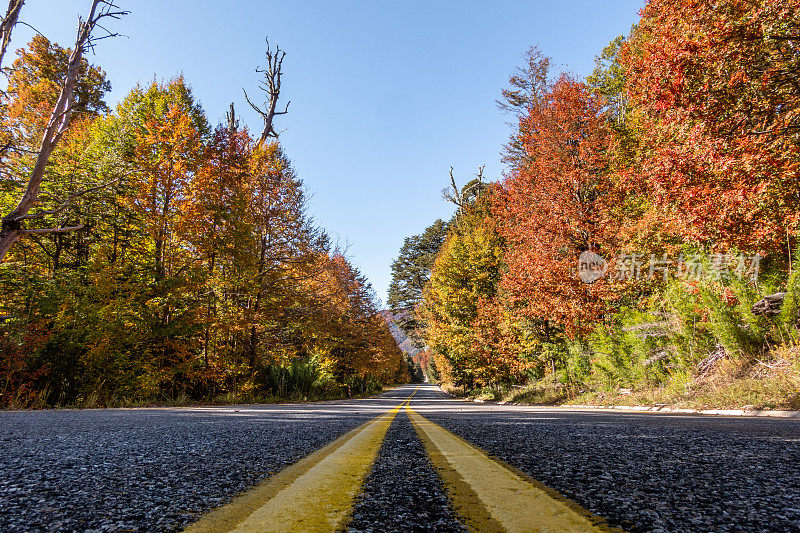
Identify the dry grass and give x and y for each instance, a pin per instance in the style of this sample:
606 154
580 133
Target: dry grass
539 394
769 383
458 392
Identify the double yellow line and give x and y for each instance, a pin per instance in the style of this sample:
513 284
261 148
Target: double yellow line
317 493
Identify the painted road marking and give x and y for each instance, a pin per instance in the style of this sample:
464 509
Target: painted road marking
491 496
315 494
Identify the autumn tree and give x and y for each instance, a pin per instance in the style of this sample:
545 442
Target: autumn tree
554 206
284 238
55 125
166 137
35 82
192 270
717 88
214 221
465 276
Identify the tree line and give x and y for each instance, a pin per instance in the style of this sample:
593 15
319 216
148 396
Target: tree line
150 256
645 212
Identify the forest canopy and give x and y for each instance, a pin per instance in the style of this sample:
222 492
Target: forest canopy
645 233
165 258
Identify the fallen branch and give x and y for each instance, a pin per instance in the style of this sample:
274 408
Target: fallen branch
781 366
710 362
656 357
769 305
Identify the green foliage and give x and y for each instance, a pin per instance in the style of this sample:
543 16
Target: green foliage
677 329
576 362
411 271
728 322
414 369
789 318
299 377
633 350
608 78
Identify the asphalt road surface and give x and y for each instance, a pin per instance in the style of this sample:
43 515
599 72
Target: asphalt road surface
409 459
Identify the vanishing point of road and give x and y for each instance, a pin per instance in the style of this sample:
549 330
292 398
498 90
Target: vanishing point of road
412 459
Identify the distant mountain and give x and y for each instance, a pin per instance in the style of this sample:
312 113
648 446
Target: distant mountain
403 341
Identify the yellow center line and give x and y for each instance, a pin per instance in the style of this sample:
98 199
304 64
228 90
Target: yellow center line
408 400
315 494
491 496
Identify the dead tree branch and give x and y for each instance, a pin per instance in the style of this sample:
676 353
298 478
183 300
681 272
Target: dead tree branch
271 86
232 120
453 194
12 229
462 196
7 26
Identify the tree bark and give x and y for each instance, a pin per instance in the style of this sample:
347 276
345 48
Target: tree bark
7 26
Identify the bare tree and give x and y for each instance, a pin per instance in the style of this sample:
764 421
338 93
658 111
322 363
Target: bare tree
461 196
13 223
232 120
6 27
271 86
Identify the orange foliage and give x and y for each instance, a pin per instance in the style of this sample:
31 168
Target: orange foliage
555 206
717 84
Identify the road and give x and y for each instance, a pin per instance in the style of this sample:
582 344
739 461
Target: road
409 459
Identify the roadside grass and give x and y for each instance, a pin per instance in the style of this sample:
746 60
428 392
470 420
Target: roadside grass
739 394
538 394
752 384
458 392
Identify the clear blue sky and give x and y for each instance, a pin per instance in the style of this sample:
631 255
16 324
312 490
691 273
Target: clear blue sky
386 95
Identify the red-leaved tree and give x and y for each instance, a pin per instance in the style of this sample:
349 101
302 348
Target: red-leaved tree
554 206
717 85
